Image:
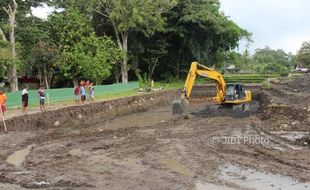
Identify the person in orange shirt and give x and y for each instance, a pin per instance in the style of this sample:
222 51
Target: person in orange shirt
2 101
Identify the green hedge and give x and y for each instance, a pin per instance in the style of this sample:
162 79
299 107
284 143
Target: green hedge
66 94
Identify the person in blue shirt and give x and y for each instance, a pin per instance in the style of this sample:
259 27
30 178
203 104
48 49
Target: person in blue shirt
83 93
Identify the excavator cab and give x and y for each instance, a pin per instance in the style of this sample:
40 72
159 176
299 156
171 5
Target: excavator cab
235 92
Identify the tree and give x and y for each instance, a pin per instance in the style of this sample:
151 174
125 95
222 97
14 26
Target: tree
126 16
303 56
11 12
4 58
198 30
81 53
92 58
42 60
145 53
268 60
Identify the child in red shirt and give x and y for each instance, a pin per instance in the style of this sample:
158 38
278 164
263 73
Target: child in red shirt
2 102
77 93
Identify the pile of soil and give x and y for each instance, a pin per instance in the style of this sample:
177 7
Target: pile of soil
285 104
299 84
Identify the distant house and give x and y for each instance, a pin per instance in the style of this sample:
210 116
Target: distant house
301 69
232 69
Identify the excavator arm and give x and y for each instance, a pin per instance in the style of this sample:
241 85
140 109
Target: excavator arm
203 71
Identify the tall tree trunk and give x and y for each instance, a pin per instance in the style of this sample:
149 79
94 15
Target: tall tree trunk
152 69
46 79
13 70
178 71
122 42
50 80
13 74
117 75
40 77
125 61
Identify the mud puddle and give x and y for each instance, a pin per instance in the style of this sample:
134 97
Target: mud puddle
18 157
140 119
5 186
250 178
240 178
149 118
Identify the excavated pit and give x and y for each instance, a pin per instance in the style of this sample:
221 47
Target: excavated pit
135 143
89 114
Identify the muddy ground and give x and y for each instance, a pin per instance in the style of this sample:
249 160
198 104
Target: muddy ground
210 148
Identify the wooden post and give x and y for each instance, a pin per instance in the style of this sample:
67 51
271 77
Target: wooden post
48 99
5 129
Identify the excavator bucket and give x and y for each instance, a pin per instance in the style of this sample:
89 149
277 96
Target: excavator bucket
177 107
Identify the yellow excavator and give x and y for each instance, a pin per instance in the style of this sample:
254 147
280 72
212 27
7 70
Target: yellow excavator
226 94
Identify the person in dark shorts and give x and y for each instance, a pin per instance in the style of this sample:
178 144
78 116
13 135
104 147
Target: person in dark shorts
25 98
83 93
77 93
41 94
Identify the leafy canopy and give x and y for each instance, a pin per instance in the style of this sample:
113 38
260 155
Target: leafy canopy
303 56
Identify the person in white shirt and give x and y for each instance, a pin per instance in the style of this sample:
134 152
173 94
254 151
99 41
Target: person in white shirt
25 98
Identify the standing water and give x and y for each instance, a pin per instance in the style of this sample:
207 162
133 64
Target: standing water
252 179
18 157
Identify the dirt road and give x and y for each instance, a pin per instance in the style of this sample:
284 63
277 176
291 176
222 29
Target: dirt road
209 149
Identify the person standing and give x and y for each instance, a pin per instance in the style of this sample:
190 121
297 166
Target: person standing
77 93
89 90
83 93
92 93
2 102
41 94
25 98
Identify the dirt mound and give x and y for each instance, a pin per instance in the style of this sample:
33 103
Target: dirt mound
285 104
226 111
300 84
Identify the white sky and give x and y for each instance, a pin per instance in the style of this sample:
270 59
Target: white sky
280 24
42 12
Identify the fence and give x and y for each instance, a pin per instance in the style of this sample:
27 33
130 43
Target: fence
65 94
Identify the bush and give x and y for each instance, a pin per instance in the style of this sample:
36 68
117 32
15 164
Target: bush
284 74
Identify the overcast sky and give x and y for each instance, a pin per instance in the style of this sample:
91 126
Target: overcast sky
280 24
